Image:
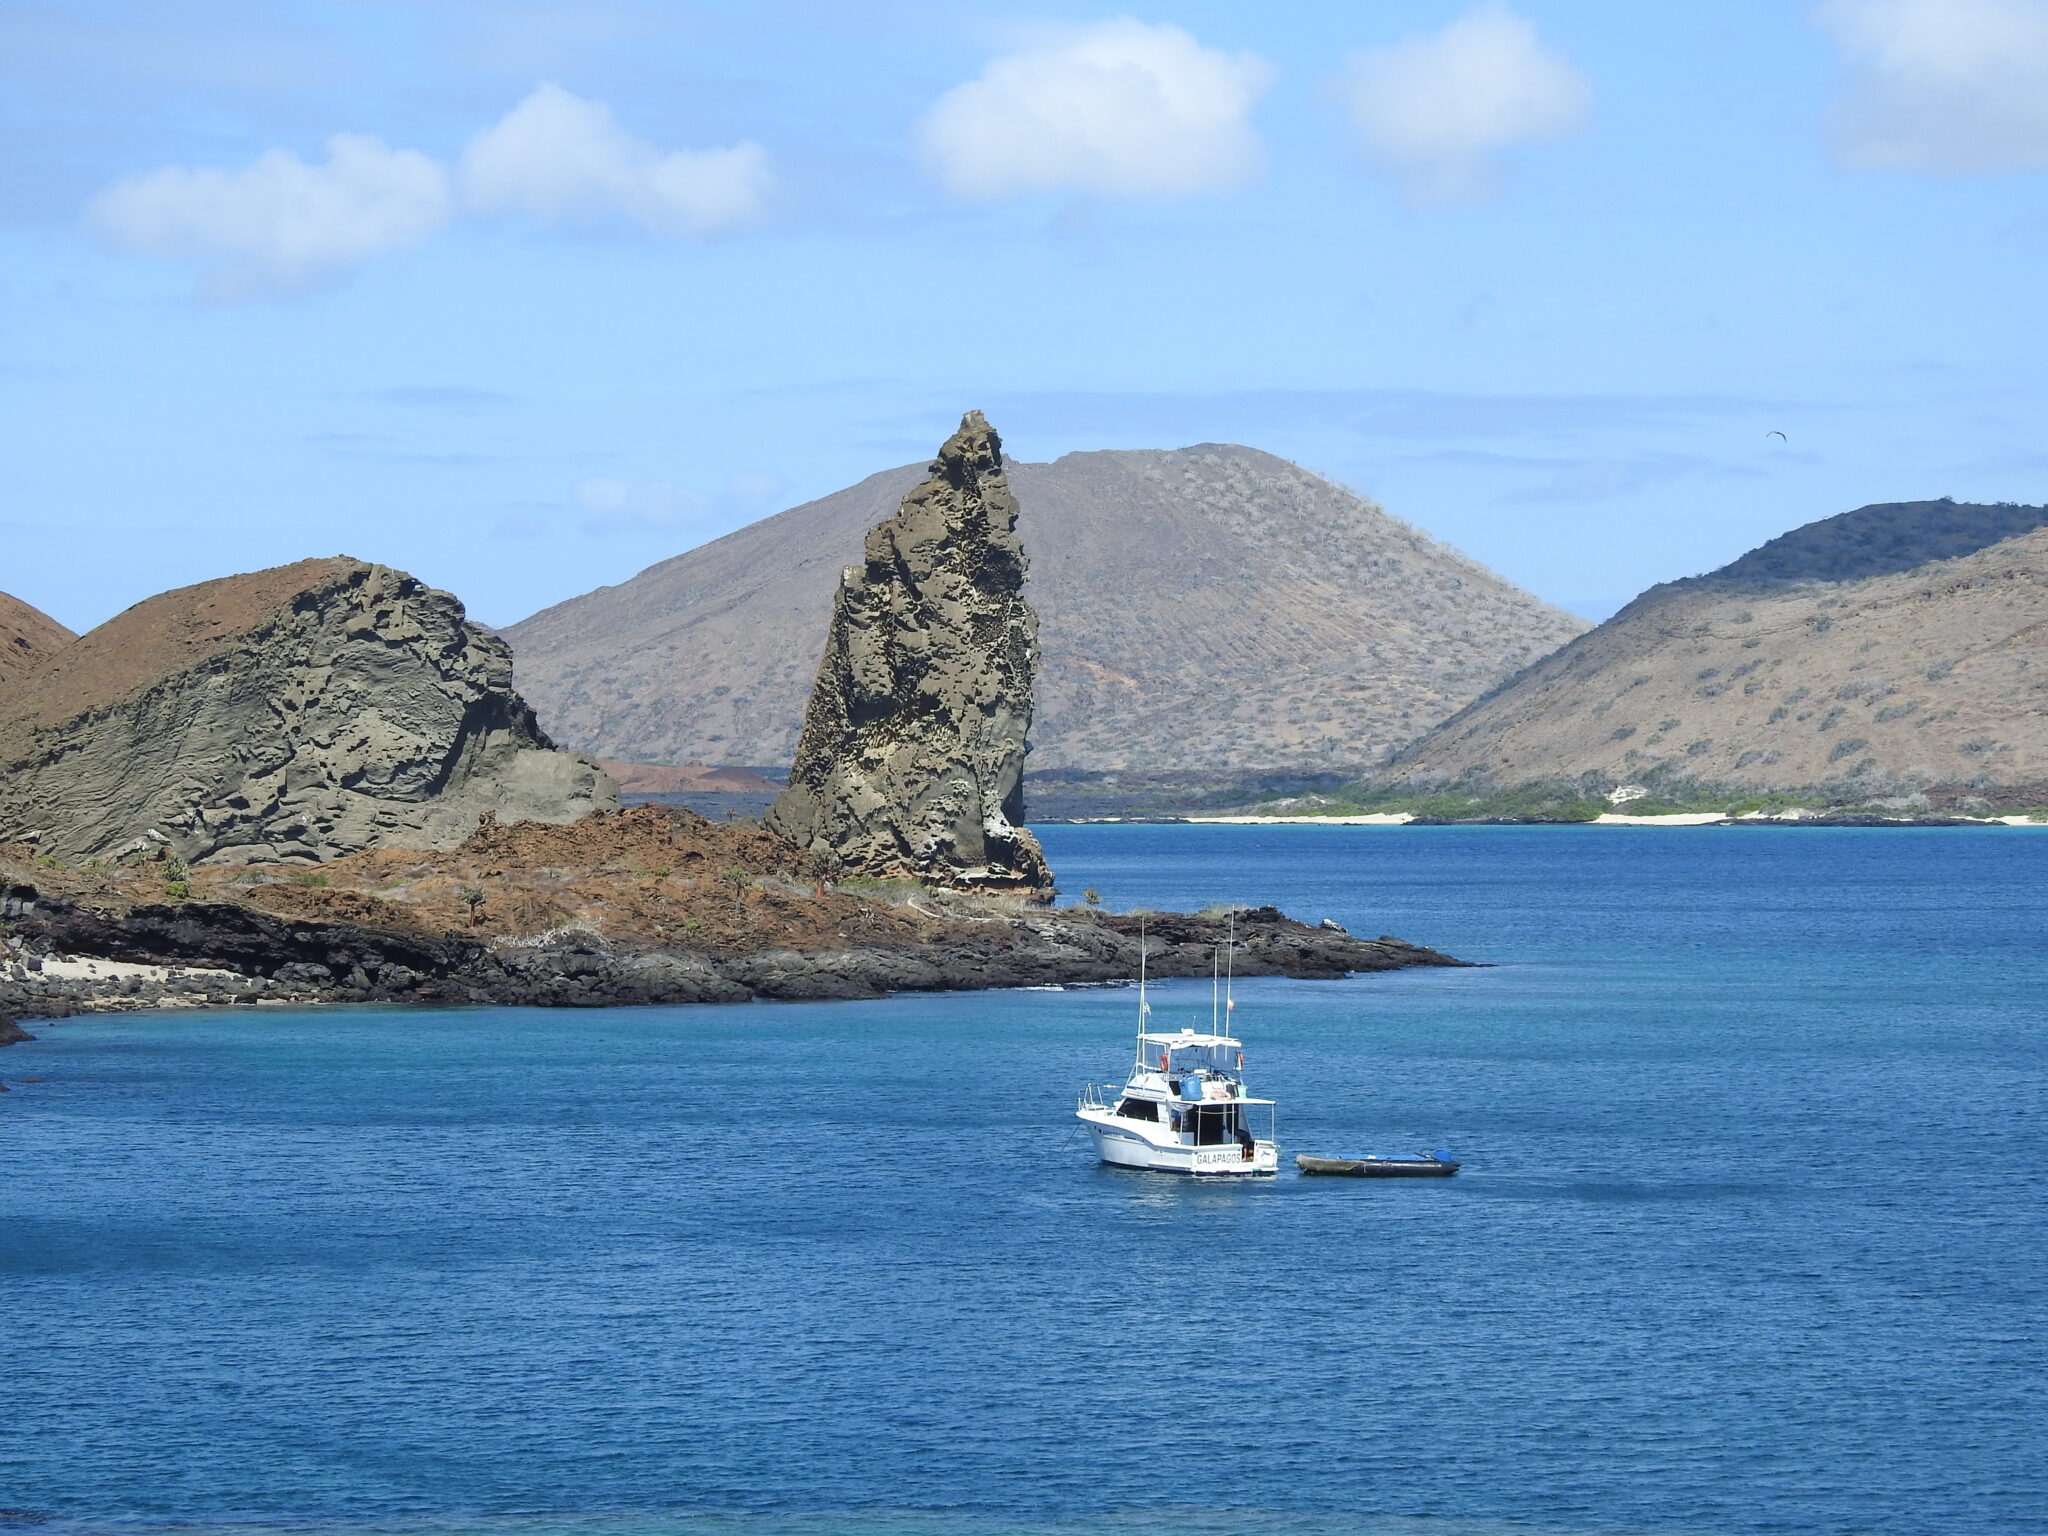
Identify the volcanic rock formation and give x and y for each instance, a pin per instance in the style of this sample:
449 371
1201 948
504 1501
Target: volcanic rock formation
26 636
911 761
1892 650
1211 608
296 713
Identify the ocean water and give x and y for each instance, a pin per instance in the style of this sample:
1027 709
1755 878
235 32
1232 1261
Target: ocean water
1749 1237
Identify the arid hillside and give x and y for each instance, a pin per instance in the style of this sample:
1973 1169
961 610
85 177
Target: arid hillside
26 636
1211 607
1888 650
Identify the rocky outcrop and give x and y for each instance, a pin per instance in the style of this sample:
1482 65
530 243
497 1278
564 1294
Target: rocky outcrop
26 637
1211 609
1889 652
911 762
647 905
297 713
72 956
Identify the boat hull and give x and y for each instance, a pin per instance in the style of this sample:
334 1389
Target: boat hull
1130 1149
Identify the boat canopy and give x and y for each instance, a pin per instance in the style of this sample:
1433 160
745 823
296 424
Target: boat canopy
1187 1039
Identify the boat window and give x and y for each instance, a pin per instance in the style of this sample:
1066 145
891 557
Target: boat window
1138 1109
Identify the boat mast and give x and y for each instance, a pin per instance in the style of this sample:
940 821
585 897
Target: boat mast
1144 1008
1230 974
1216 990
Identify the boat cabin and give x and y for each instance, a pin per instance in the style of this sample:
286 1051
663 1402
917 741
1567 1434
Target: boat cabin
1184 1108
1189 1088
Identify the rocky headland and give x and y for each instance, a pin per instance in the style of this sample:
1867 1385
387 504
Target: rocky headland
299 713
316 784
911 763
647 905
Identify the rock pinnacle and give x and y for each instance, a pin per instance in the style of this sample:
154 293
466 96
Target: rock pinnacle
911 762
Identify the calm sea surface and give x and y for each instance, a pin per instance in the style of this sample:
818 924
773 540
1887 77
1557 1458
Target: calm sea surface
1750 1237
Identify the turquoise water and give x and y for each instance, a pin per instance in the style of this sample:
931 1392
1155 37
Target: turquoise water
1749 1238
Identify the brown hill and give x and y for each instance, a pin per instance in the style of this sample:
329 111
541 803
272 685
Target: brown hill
299 712
1208 607
26 636
1839 657
687 778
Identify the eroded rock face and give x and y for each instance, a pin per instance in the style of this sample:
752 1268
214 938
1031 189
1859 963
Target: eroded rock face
912 756
27 635
296 713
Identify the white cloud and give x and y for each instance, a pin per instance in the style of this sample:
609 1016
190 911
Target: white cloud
639 506
279 224
560 158
1118 109
1437 109
1954 86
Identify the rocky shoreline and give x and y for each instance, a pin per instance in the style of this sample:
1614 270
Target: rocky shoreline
68 957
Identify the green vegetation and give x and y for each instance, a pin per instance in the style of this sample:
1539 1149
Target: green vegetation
177 890
311 877
1536 802
1554 802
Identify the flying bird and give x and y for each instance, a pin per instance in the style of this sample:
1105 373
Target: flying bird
1781 437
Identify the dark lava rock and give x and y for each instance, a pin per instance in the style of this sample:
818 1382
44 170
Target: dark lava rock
911 763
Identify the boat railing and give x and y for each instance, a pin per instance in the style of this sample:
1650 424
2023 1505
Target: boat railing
1101 1095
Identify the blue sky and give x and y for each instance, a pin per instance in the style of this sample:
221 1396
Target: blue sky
582 285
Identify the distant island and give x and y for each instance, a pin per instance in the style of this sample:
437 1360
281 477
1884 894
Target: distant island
1876 664
1215 623
1881 666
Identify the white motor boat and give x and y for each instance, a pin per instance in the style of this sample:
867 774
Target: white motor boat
1184 1108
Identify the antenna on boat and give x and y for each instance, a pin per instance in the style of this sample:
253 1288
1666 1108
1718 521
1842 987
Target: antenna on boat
1216 990
1144 1008
1230 972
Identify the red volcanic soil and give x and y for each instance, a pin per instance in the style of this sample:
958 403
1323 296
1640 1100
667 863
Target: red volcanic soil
27 635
